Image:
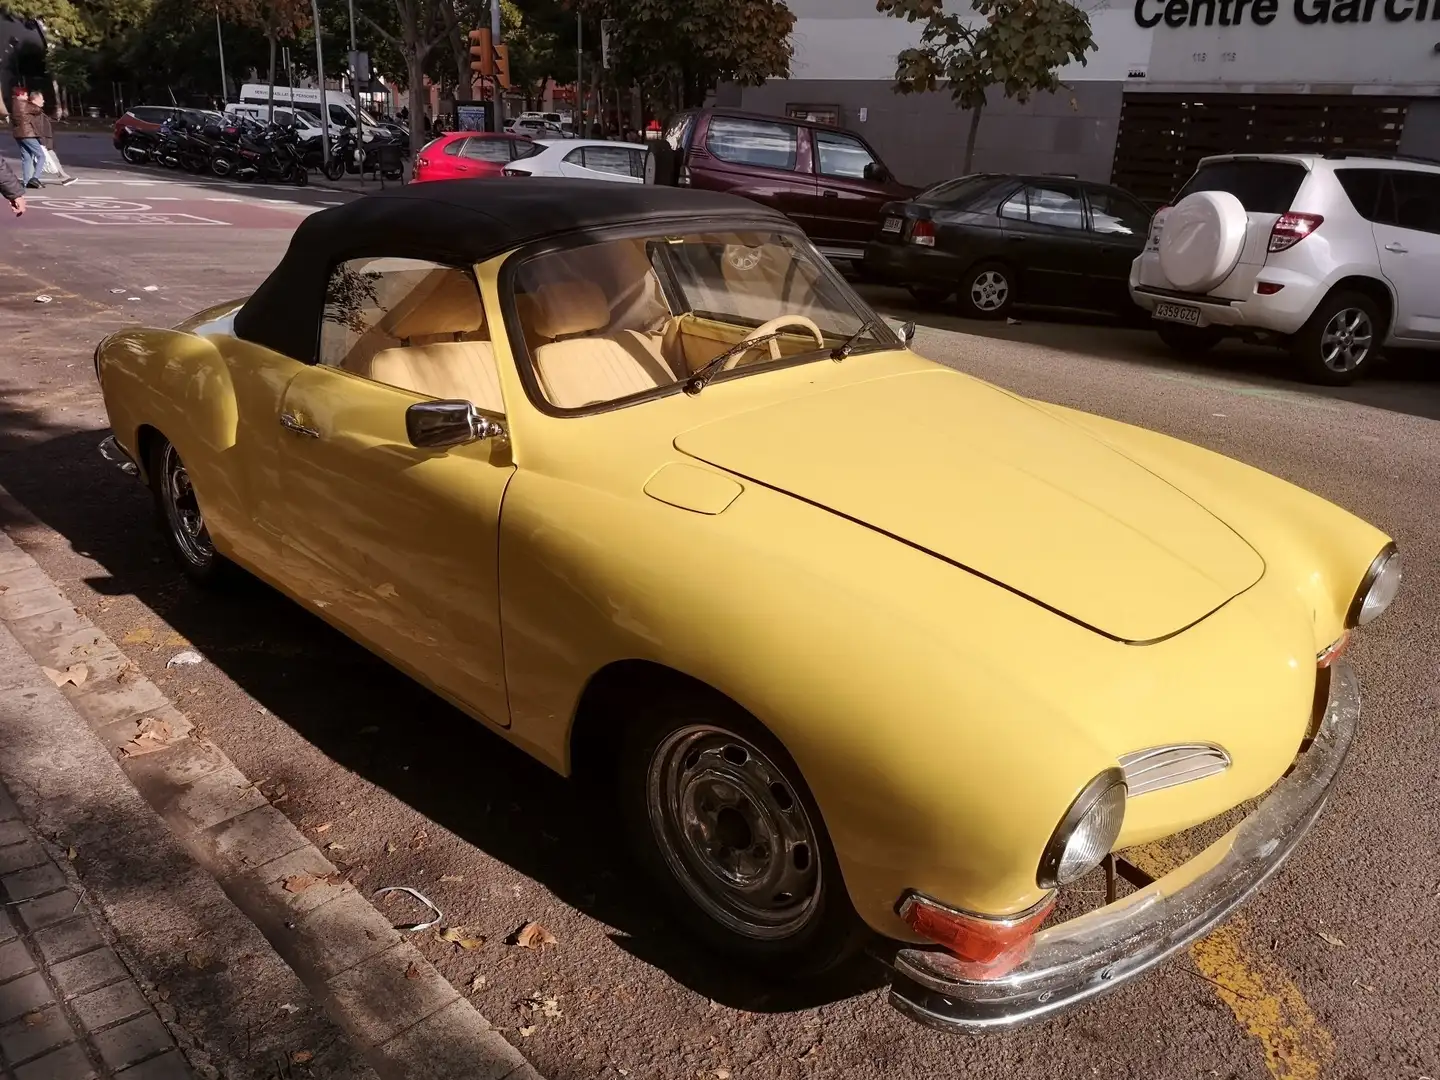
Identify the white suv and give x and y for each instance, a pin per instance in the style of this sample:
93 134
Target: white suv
1331 256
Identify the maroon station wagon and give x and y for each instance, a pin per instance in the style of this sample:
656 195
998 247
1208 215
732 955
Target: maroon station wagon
827 180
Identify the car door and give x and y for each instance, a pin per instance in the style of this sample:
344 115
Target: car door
849 190
482 156
1407 237
611 161
764 160
1047 244
1120 225
401 543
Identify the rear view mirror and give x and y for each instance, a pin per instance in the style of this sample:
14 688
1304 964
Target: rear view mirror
435 424
877 173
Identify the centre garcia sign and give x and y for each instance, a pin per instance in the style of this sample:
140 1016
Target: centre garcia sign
1178 13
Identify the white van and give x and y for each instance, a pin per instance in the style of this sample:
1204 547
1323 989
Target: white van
306 123
341 106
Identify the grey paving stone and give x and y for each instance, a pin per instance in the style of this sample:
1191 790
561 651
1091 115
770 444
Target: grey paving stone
67 1063
8 810
21 857
109 1005
36 881
22 578
106 701
39 633
48 909
23 995
88 972
69 938
33 1034
453 1044
133 1041
7 924
305 863
345 932
73 647
14 960
169 1066
210 800
33 601
167 772
378 1001
121 732
255 838
13 832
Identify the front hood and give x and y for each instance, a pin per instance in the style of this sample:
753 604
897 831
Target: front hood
988 482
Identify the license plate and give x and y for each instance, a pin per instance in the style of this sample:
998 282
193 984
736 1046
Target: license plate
1178 313
891 225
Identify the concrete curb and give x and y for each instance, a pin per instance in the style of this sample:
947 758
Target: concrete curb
404 1016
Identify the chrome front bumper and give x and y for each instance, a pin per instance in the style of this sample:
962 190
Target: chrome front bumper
113 452
1076 961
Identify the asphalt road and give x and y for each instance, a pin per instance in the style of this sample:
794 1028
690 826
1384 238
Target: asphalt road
406 791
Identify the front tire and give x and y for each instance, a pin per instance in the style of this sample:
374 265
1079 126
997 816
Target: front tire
1189 341
1339 342
987 291
180 519
720 818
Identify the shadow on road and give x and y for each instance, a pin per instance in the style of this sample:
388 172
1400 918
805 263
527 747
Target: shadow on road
425 753
1407 381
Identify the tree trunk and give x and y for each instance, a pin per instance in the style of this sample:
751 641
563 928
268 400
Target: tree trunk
415 76
970 138
464 85
270 34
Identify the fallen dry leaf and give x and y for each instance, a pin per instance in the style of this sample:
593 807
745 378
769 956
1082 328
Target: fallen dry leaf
34 1019
197 960
811 1054
300 1057
75 675
533 936
176 640
419 840
332 846
298 882
71 854
460 935
150 735
452 877
722 1074
138 636
4 589
1331 939
526 1032
550 1008
476 983
390 848
412 972
323 828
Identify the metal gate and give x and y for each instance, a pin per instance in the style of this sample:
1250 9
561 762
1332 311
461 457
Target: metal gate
1163 136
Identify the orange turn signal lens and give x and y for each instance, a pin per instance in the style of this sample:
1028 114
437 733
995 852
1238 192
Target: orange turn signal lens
1334 652
993 945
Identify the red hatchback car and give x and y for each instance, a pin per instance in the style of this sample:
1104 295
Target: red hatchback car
458 155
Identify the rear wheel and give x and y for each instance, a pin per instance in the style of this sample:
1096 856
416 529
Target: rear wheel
719 816
220 166
1189 340
987 291
335 168
179 516
135 155
1339 342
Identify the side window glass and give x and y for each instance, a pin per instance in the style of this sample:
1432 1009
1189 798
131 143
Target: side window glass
479 149
1417 200
1112 214
1363 188
454 146
411 324
842 156
1056 205
607 159
1014 207
575 157
753 142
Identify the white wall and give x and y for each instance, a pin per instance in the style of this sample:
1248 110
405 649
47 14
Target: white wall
836 39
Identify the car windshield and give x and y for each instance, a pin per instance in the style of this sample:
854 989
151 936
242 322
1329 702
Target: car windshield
623 318
1263 187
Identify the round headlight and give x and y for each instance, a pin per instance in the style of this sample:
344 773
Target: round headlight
1086 833
1377 589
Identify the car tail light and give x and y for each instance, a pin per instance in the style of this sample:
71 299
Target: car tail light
422 163
923 233
1334 652
1267 288
1290 229
992 946
511 170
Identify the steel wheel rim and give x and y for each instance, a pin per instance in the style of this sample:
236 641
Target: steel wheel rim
1347 339
734 832
182 511
989 290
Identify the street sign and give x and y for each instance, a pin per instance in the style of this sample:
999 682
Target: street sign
607 27
360 67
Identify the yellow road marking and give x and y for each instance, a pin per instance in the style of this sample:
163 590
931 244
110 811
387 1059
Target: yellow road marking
1262 997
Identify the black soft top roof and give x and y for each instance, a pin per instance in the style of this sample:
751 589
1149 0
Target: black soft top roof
458 222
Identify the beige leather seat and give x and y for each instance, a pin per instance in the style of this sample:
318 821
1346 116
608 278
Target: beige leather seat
577 370
443 353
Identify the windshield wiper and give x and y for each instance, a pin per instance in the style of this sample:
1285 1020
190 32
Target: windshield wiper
846 347
711 368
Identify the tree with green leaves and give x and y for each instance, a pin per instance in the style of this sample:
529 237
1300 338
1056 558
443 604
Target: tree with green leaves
413 29
277 19
1017 45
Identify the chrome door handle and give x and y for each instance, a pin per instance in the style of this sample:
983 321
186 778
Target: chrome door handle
1396 248
291 422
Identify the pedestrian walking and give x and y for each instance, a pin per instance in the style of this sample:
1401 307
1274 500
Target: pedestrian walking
53 170
11 189
23 111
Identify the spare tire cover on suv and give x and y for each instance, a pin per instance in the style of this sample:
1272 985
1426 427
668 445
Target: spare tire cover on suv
1202 239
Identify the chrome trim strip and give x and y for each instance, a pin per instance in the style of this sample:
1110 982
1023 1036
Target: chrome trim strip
1163 767
113 452
1082 959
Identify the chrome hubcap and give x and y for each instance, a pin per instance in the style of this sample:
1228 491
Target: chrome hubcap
187 524
989 290
734 833
1347 339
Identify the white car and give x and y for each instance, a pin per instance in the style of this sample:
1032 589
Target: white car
1331 256
536 127
591 159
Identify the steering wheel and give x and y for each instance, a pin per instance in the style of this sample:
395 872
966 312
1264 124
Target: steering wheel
770 328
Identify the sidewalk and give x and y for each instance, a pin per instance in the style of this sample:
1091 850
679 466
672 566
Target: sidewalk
155 843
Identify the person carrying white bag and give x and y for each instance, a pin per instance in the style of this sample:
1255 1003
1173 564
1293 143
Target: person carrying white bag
53 172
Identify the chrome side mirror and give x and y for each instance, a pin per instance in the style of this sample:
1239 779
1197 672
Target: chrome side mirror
434 424
907 333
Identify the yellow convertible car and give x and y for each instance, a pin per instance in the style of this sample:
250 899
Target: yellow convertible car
860 644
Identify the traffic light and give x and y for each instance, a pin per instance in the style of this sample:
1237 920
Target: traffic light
502 65
482 53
